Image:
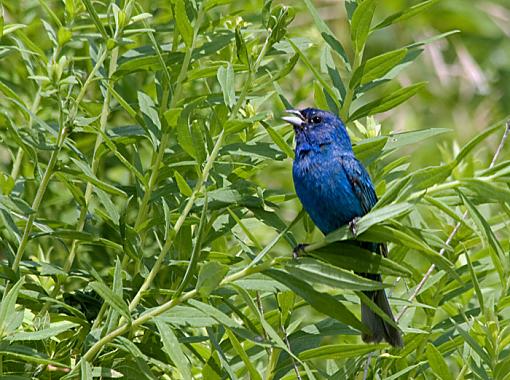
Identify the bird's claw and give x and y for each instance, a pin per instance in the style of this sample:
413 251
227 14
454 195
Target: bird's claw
353 226
299 250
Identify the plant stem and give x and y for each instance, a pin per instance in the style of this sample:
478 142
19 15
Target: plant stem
180 222
19 155
154 312
62 133
198 187
344 111
105 111
165 139
95 163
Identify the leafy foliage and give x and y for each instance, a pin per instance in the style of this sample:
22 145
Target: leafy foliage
147 220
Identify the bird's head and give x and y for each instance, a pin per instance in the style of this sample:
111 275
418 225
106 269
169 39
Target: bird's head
316 129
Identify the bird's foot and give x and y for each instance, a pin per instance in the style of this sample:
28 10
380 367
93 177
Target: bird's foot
353 226
299 250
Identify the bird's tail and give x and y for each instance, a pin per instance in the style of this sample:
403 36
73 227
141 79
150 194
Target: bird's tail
380 329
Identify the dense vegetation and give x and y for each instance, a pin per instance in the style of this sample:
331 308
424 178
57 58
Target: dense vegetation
147 214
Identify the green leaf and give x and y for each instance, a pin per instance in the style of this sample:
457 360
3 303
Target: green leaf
241 49
64 35
399 140
8 93
405 14
225 320
95 18
210 277
183 186
475 141
236 125
198 138
315 72
184 137
376 67
353 257
326 33
226 79
27 355
148 108
489 191
195 253
400 374
476 283
123 103
370 149
360 24
278 140
327 65
52 331
109 206
105 373
8 307
172 116
428 176
87 173
437 363
387 102
114 300
378 233
319 97
173 348
182 22
187 316
350 7
487 235
254 374
315 271
340 351
498 170
375 216
473 344
85 370
322 302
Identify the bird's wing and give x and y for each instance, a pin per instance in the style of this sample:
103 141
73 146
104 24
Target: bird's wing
364 189
360 182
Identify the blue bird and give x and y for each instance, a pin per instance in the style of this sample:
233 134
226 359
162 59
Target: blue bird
335 189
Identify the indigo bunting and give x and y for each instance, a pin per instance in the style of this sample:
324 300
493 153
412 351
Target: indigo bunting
335 189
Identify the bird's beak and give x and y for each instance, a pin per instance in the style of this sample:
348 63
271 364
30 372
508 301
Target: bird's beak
297 119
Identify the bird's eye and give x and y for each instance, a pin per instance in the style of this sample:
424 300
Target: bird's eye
316 119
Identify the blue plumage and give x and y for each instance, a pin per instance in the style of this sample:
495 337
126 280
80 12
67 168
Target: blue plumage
335 189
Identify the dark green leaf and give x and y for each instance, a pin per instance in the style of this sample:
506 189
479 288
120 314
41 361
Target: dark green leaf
353 257
376 67
498 256
326 33
399 140
360 23
114 300
340 351
7 307
387 102
52 331
315 271
210 276
437 363
226 79
173 348
182 22
405 14
322 302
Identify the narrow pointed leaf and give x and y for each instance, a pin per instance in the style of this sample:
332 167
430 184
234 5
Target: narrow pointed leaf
322 302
